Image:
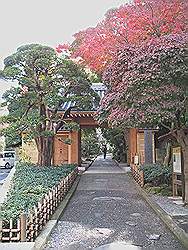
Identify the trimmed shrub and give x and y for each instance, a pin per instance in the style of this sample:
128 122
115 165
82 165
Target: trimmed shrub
157 174
30 183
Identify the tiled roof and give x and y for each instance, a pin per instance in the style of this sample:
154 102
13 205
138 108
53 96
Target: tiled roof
99 88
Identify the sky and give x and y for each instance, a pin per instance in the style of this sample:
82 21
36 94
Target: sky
48 22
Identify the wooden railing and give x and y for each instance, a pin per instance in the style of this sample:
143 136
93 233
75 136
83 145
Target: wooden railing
29 225
137 174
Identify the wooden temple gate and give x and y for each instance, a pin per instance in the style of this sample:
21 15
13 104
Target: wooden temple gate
140 149
65 153
140 142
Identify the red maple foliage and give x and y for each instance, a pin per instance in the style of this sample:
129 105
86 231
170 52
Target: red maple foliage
148 87
147 83
129 24
62 47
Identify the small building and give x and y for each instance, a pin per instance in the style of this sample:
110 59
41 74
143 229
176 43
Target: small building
141 146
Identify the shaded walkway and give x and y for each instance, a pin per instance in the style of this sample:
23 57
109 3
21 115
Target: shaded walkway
105 208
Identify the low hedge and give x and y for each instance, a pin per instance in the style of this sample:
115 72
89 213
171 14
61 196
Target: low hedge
157 174
164 189
30 183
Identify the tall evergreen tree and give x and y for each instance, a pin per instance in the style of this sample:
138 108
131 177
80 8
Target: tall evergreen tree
45 81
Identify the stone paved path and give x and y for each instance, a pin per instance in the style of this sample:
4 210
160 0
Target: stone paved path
107 208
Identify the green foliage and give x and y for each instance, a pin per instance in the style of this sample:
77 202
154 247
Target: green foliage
157 174
116 138
94 77
45 82
2 144
164 189
71 126
90 146
67 141
30 183
23 156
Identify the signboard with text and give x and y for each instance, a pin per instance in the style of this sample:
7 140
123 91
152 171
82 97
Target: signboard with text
177 160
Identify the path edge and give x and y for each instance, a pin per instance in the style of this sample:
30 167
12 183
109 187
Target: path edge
44 235
180 234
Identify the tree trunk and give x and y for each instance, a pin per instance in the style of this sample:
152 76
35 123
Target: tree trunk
167 158
44 143
45 150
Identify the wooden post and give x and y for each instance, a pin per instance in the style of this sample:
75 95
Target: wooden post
79 148
11 227
174 186
142 178
1 227
18 227
23 227
74 148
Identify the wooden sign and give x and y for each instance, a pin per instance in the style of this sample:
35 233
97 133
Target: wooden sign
136 160
177 160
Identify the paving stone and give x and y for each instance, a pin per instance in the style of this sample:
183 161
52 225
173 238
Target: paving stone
154 236
135 214
130 223
118 246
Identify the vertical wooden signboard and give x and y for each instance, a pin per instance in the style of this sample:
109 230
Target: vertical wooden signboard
176 178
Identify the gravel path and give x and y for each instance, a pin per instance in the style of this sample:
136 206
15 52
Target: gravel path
174 207
107 208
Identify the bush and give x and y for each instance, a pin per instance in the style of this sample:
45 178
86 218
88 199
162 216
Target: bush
30 183
164 189
157 174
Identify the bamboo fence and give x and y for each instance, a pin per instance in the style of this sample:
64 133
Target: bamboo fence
137 174
30 224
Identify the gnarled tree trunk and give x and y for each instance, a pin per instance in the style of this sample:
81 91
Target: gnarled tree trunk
44 143
167 158
45 150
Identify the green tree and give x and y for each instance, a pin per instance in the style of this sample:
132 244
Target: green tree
45 82
90 143
116 137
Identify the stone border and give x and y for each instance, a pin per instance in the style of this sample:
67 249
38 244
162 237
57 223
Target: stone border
126 169
181 235
83 168
17 246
